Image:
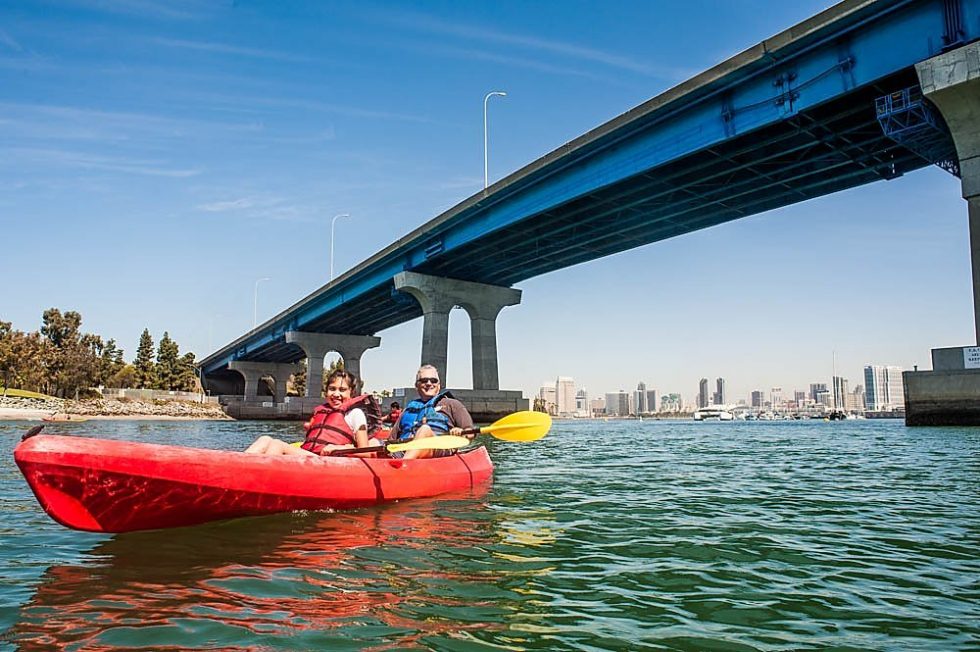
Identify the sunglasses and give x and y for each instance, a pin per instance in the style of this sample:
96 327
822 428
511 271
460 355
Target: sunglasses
426 381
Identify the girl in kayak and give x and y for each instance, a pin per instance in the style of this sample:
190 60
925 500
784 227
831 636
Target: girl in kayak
341 422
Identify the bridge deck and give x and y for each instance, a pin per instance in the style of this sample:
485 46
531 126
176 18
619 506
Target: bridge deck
790 119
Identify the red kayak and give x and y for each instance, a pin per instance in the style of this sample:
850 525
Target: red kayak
103 485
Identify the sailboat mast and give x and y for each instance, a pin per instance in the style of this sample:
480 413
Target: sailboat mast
833 379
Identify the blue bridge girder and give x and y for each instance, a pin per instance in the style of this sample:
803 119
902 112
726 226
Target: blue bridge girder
790 119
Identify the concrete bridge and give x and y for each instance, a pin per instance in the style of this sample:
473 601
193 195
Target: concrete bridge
865 91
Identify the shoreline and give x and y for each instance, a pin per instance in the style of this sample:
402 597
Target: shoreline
24 414
30 409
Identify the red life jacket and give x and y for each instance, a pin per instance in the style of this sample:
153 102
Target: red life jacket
328 426
393 416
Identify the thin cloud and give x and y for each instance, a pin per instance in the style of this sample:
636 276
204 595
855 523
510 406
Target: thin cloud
258 207
83 123
227 205
224 48
569 50
70 158
519 62
7 40
169 9
245 103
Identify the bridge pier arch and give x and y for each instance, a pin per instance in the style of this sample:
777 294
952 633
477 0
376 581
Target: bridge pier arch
253 372
482 302
951 81
947 395
318 345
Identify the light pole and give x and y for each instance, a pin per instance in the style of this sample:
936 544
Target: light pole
333 223
486 160
255 302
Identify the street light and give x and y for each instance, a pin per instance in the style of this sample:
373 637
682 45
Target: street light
333 223
486 174
255 302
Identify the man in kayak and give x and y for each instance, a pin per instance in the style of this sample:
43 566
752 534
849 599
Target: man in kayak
341 422
434 412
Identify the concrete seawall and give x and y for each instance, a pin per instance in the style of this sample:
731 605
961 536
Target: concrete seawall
942 398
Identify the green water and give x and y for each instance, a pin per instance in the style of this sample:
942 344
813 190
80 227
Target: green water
603 536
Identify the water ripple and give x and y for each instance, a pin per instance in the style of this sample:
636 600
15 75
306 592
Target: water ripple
602 536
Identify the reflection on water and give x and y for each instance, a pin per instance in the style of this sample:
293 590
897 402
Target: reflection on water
602 536
399 573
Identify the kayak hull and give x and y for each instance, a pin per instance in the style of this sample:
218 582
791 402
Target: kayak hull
102 485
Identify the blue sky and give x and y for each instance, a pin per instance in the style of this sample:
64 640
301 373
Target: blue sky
157 158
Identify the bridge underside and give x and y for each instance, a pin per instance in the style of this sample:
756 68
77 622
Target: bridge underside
831 147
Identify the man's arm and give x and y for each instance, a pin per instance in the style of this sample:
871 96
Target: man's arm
459 416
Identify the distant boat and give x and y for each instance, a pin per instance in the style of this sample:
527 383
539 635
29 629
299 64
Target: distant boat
713 413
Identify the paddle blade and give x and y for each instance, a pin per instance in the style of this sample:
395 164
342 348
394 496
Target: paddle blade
520 426
443 442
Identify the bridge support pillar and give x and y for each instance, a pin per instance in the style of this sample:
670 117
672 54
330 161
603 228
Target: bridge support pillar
318 345
482 302
950 393
951 81
255 371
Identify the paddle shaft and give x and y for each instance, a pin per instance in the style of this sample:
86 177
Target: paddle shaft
443 442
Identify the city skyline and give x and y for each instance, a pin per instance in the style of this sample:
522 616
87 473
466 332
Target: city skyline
881 383
170 158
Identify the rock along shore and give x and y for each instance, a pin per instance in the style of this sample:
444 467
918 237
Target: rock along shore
31 408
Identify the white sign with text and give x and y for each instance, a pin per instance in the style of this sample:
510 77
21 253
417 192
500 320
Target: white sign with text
971 357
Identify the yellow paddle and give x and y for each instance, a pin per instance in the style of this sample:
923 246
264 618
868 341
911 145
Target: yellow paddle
442 442
519 426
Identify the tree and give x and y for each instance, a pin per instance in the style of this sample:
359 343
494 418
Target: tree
186 380
168 363
144 365
22 357
296 386
71 357
125 378
8 363
110 363
334 366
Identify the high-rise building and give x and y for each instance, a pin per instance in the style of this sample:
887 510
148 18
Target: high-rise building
718 398
565 396
548 396
815 389
855 400
703 393
652 400
640 398
758 398
840 391
884 388
618 404
582 404
776 398
597 406
800 399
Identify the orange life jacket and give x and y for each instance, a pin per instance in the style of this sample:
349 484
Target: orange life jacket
328 426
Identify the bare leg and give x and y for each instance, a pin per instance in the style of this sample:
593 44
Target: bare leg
421 433
266 445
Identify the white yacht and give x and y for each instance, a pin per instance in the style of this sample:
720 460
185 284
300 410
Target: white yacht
714 413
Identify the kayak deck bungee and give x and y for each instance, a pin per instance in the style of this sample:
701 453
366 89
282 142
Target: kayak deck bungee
103 485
